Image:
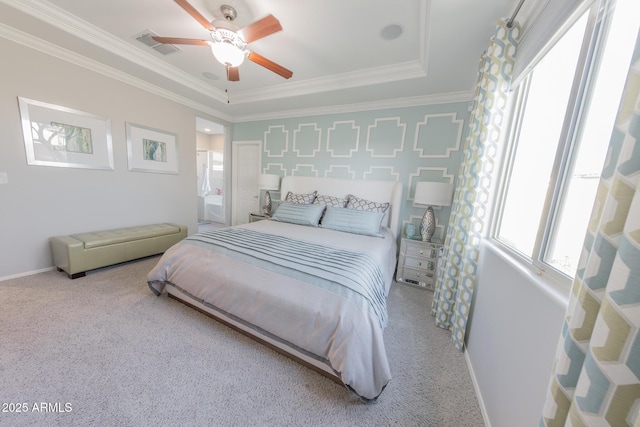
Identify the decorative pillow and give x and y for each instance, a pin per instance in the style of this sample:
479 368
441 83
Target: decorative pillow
297 213
366 205
302 199
335 202
353 221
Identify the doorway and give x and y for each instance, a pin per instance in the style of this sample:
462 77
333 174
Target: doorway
246 156
210 155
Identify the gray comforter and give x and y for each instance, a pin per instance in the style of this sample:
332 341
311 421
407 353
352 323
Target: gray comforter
320 292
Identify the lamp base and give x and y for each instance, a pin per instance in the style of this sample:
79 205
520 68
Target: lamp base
428 225
266 206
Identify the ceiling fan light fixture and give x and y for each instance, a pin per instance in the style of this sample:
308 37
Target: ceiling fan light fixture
227 47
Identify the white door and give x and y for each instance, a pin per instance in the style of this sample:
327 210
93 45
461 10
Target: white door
245 170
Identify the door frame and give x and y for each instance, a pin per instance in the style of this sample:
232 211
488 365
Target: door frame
234 175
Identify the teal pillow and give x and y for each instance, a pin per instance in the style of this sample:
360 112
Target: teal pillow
296 213
353 221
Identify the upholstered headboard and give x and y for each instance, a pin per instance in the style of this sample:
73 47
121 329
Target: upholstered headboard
377 191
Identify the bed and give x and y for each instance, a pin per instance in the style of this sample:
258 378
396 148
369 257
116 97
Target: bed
314 293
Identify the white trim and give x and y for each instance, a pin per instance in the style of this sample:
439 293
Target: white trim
337 82
83 30
306 141
449 150
546 27
334 127
28 273
476 387
398 149
51 49
266 140
555 289
234 176
414 101
316 86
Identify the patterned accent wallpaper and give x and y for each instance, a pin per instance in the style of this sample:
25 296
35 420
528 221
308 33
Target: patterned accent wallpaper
406 144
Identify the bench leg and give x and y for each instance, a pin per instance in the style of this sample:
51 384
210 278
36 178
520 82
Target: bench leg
73 276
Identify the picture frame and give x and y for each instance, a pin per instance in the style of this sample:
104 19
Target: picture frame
63 137
151 150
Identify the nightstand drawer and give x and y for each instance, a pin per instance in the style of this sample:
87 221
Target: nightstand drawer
417 275
417 251
420 263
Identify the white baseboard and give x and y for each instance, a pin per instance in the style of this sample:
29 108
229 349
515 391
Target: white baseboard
483 409
28 273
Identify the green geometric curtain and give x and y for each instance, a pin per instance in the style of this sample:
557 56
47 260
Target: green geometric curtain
456 278
596 374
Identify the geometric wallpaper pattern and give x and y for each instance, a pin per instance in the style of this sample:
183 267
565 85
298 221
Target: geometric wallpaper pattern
596 378
408 144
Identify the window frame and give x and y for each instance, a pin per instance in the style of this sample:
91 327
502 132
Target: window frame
589 60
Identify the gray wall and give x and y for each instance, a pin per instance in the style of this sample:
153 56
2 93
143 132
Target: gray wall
513 333
42 201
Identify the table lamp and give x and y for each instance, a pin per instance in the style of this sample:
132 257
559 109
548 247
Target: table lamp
431 194
268 182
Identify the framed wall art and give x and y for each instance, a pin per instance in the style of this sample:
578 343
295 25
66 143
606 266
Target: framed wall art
151 150
64 137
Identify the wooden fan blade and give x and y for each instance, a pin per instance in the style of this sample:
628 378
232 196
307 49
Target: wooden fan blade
195 14
178 40
261 28
270 65
233 74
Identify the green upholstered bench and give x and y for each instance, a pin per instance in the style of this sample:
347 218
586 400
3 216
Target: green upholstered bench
78 253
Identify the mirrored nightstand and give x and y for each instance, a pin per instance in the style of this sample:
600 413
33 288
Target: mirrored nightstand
418 263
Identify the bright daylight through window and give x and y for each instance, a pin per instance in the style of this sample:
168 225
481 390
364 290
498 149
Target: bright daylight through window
562 125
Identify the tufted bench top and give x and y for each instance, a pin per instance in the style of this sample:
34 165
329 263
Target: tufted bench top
109 237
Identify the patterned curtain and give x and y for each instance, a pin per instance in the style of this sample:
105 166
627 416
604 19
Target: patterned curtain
454 288
596 375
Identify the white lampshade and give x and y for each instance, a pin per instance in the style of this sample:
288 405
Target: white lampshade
433 193
268 181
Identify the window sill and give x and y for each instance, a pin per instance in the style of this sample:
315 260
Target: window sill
554 287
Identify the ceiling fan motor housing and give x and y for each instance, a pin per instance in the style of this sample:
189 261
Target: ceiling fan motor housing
228 12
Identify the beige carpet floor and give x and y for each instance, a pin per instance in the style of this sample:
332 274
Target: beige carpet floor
104 351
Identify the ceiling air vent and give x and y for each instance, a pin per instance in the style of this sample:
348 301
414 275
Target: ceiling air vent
165 49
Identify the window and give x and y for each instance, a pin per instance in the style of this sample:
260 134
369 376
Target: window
562 122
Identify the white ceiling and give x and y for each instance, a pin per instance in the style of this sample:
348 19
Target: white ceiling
339 59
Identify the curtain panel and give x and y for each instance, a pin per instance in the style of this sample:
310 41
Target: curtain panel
456 279
596 374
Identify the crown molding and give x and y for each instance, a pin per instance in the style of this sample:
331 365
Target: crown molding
353 79
51 49
83 30
55 16
446 98
56 51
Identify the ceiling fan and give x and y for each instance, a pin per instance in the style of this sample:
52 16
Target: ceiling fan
229 41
